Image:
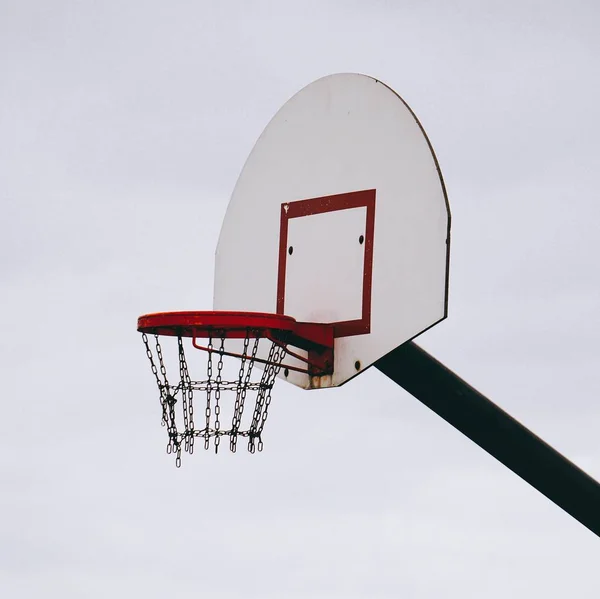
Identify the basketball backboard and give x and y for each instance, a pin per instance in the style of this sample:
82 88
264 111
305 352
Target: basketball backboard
340 216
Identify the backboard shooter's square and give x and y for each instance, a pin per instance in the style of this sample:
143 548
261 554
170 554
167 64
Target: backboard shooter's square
324 277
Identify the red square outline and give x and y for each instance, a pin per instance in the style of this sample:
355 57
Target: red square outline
342 201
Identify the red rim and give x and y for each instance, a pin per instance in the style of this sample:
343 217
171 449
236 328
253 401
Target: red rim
231 325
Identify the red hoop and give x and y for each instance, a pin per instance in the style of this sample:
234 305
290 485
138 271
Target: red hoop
315 338
231 325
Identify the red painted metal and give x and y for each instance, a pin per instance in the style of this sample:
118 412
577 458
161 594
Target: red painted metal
309 207
231 325
315 338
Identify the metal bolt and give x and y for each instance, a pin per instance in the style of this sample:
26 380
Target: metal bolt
361 239
286 372
357 364
291 250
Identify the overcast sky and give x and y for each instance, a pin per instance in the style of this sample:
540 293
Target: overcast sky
123 127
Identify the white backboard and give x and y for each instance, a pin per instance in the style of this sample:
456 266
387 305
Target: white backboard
340 215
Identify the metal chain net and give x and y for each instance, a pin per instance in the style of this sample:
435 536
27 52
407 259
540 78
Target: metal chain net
177 398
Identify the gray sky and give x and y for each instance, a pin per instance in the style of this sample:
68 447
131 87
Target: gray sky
123 127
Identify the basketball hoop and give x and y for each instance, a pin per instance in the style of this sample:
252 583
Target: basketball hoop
251 338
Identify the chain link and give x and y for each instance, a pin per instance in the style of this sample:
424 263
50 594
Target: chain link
218 380
177 401
239 398
208 394
161 389
187 396
244 384
263 400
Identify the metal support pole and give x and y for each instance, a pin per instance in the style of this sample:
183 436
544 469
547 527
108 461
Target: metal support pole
494 430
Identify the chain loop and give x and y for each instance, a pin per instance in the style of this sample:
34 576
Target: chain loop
177 401
218 381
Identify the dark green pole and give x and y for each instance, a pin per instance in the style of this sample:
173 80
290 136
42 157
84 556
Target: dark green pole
494 430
